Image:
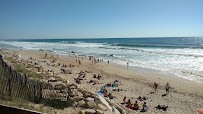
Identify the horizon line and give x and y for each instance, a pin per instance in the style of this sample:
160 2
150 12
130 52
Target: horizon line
107 37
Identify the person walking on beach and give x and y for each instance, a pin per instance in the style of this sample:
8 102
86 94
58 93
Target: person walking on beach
108 61
155 86
167 88
46 55
127 65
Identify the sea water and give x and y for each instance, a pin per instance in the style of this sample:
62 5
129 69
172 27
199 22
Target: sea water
182 57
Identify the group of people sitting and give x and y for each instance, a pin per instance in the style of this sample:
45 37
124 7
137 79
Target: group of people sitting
135 106
106 94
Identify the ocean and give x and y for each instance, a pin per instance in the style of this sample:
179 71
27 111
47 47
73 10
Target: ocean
180 56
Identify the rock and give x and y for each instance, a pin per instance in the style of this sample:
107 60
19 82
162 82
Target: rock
65 81
89 99
75 104
102 107
73 93
116 111
99 112
81 112
78 98
80 94
75 85
91 105
92 95
81 103
105 103
90 111
72 87
108 112
86 94
97 100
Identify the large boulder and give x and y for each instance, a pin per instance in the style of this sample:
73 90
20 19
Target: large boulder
81 103
73 93
86 94
97 100
99 112
74 84
105 103
81 112
78 98
80 94
102 107
108 112
72 87
116 111
90 104
89 99
90 111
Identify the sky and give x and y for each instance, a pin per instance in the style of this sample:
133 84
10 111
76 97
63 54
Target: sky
34 19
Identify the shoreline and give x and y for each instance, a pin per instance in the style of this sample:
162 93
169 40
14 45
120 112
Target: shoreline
135 83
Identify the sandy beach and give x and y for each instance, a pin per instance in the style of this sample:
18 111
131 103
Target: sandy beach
184 96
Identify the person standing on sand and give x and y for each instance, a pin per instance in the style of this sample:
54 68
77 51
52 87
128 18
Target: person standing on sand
46 55
108 61
155 86
127 65
167 88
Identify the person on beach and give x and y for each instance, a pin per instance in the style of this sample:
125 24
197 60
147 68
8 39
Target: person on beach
128 103
167 88
136 106
108 61
127 65
124 100
46 55
145 107
155 86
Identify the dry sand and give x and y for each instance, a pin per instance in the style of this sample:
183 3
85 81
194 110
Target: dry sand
184 98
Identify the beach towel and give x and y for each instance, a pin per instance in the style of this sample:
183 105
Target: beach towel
99 93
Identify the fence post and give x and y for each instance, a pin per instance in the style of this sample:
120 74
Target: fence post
9 87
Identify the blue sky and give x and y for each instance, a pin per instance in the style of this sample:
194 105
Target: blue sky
100 18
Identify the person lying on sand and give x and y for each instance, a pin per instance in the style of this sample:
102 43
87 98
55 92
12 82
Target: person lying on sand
163 107
118 90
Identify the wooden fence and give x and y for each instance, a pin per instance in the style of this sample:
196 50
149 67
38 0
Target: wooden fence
17 85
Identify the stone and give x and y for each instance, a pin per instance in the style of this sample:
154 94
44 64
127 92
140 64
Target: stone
108 112
73 93
116 111
86 94
99 112
75 85
78 98
102 107
97 100
80 94
81 112
90 111
89 99
105 103
81 103
72 87
91 105
75 104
